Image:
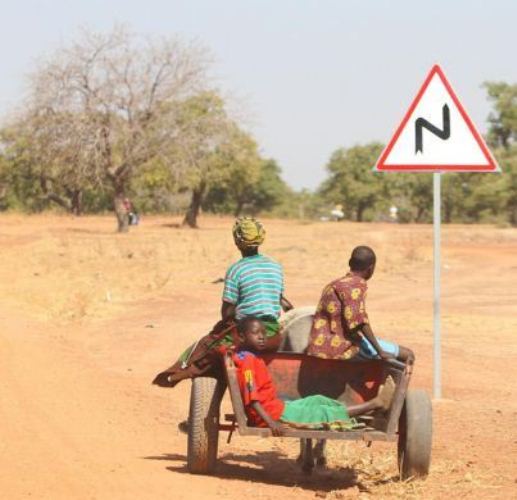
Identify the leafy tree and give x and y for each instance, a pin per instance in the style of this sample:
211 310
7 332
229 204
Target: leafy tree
507 182
502 135
249 188
411 193
107 104
352 182
503 119
270 190
200 150
240 158
56 152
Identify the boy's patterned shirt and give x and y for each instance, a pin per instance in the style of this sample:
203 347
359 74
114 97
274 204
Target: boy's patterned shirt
340 311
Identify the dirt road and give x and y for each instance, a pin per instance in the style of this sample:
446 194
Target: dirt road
87 317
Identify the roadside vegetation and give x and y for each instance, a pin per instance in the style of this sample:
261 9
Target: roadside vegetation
115 116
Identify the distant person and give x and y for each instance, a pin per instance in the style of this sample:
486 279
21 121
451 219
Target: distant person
253 286
341 328
132 214
337 213
264 408
394 211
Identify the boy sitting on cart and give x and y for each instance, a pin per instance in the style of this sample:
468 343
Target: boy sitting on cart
264 408
341 328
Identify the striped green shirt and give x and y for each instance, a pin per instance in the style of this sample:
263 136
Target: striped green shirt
254 284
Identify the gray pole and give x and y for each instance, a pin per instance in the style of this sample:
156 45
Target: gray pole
437 349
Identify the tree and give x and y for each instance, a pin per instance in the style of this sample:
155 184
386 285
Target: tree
412 194
352 182
59 153
270 190
257 187
502 134
503 119
108 104
244 165
506 188
200 148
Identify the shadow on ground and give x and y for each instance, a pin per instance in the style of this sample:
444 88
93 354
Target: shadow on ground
275 468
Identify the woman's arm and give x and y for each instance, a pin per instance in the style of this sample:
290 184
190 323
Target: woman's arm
227 310
286 305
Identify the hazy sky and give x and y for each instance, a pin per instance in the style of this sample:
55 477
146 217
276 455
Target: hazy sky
317 75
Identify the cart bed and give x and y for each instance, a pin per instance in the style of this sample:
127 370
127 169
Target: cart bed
351 382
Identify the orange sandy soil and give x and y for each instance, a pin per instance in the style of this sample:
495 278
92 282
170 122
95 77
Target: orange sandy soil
87 317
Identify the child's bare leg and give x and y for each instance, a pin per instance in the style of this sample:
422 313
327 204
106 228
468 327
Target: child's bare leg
382 400
407 356
362 408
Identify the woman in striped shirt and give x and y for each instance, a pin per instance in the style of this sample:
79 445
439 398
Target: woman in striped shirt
254 286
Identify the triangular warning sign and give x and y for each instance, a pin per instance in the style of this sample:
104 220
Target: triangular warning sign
436 135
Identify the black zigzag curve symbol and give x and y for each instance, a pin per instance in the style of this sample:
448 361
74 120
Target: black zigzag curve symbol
422 123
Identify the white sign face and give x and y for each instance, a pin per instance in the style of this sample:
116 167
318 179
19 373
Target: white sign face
436 135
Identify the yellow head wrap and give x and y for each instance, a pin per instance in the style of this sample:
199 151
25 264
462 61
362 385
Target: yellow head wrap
248 232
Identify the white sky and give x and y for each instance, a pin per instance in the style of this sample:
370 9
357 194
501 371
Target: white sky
317 74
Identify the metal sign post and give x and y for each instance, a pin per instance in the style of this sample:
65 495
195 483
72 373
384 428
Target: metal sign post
436 135
437 341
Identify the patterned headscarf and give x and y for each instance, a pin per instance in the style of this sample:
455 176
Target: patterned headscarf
248 232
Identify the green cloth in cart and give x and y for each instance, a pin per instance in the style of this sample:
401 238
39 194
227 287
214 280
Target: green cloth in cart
317 412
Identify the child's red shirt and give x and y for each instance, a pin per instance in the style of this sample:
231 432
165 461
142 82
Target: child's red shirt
256 384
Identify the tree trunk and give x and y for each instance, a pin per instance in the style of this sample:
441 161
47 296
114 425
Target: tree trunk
238 208
76 202
513 216
359 214
120 210
190 219
419 214
46 187
447 212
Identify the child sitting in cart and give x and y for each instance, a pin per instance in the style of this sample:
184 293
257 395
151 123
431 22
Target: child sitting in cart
265 409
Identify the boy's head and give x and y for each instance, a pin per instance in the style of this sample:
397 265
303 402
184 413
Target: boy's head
252 333
362 261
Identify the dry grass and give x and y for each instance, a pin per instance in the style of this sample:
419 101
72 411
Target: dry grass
364 472
93 272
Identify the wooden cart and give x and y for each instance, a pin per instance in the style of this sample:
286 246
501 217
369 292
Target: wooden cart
408 421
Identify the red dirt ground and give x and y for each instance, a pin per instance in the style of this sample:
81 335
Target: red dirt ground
87 317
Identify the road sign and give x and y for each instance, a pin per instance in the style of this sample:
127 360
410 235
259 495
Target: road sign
436 134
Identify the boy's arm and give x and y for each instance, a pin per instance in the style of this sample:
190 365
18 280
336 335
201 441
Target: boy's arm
276 427
368 333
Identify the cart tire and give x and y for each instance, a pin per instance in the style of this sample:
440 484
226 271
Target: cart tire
203 436
415 435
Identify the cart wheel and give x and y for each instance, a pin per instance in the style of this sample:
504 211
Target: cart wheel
203 435
415 435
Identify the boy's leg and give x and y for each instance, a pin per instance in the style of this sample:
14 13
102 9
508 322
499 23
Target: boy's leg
382 400
407 356
399 352
367 351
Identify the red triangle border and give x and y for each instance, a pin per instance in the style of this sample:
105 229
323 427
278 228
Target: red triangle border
491 165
